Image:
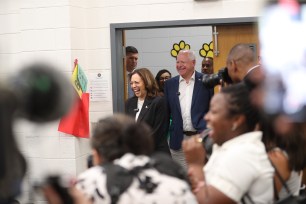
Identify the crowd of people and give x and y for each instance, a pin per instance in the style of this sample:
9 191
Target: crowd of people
251 160
246 142
156 151
157 144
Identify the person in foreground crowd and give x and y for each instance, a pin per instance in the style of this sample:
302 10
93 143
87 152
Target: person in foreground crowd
13 165
147 106
124 172
238 169
285 140
288 154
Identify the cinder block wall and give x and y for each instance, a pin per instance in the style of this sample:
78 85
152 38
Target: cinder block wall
58 31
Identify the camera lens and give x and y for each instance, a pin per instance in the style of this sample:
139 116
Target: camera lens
223 73
210 80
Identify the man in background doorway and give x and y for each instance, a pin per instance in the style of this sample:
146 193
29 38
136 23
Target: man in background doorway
208 68
207 65
131 60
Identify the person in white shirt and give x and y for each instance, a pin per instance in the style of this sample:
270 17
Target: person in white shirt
238 169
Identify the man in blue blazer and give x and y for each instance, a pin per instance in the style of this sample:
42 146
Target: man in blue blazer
188 101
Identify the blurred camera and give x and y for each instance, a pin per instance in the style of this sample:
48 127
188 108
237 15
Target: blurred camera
40 93
90 161
207 142
59 184
212 80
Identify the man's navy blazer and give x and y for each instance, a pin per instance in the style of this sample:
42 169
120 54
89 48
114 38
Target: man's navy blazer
199 107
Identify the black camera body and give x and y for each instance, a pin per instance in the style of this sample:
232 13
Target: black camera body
212 80
59 184
39 93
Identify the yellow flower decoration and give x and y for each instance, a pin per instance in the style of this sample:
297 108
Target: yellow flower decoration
207 50
180 46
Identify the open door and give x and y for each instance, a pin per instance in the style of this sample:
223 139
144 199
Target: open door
226 36
125 78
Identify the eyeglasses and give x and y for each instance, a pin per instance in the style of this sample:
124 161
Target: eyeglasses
164 78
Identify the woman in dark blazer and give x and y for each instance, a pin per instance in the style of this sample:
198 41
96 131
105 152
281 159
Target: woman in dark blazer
146 105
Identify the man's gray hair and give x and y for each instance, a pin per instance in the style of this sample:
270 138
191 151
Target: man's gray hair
190 53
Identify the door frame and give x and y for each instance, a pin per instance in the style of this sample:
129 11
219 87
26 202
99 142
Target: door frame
117 51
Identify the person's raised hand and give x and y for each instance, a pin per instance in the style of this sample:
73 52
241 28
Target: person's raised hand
194 151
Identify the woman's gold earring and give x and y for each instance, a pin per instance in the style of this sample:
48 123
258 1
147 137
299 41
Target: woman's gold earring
234 127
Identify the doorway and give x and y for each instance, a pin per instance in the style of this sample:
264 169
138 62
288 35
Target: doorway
117 49
226 36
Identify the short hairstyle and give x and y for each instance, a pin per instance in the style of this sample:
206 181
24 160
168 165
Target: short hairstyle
238 99
131 49
119 134
243 52
149 81
212 59
190 53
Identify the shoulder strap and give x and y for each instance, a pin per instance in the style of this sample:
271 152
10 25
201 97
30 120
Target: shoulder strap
248 197
118 179
164 164
280 177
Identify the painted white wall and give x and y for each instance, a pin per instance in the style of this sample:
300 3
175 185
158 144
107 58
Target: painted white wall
58 31
44 31
154 45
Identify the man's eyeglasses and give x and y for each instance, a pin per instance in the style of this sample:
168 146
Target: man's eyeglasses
164 78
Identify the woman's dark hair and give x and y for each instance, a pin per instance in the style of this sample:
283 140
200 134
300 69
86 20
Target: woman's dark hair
157 78
238 99
149 81
119 134
292 143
